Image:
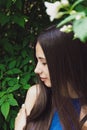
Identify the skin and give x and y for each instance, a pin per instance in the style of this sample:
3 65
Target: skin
20 120
32 94
42 70
41 67
26 108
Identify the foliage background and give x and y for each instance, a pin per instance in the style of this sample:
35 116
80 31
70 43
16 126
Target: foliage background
20 23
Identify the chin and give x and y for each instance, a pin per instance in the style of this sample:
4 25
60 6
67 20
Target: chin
48 85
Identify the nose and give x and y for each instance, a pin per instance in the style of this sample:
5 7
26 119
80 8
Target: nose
37 69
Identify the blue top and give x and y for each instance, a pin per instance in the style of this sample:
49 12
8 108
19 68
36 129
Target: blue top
56 125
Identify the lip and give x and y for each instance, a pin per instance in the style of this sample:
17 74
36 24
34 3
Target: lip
43 79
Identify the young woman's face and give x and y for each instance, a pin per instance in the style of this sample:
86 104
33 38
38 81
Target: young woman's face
41 67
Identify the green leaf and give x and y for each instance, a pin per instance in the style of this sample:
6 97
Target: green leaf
13 71
13 1
12 81
5 107
23 81
26 86
4 82
2 70
3 99
19 19
2 93
19 60
12 64
2 67
76 3
13 88
25 61
31 68
5 126
7 46
80 29
80 8
25 68
27 76
66 20
70 18
12 123
4 19
18 4
9 3
12 101
24 53
25 42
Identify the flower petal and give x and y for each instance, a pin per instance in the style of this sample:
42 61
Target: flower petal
52 9
65 3
48 4
59 15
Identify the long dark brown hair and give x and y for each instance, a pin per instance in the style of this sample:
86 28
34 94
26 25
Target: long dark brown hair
67 63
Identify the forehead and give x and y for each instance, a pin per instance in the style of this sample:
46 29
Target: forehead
39 51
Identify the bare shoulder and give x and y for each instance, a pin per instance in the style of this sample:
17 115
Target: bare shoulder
31 97
33 89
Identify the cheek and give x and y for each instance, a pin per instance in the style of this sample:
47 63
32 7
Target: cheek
47 72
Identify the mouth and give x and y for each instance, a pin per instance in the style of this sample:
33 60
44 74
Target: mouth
42 79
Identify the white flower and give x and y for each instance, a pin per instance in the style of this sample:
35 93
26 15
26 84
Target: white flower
26 20
63 28
59 15
18 77
30 61
80 16
66 28
52 9
75 36
73 12
65 3
14 1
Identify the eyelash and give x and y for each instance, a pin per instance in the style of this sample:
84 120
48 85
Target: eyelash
44 63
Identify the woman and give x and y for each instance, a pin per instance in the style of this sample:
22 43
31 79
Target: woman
59 100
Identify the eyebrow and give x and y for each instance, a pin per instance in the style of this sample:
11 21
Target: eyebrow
41 58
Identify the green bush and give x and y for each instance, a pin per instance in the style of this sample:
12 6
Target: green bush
20 23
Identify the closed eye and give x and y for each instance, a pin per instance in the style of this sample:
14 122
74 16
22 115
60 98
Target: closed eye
44 63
